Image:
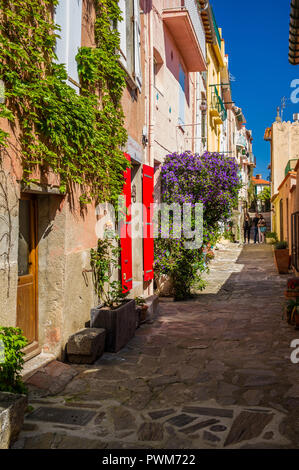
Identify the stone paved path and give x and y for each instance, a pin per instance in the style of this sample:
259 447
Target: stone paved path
212 372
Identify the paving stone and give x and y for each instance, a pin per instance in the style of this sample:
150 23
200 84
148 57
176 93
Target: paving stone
268 435
260 381
61 415
40 441
161 413
122 418
253 397
198 426
151 432
218 428
53 378
181 420
162 380
198 410
99 418
247 426
208 436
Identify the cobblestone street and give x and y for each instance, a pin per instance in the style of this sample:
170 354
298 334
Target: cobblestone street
213 372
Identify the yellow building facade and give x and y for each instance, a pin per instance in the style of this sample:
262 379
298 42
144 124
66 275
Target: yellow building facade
217 113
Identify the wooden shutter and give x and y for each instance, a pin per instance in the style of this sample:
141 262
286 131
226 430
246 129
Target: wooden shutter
137 44
61 19
75 21
181 96
122 29
148 239
126 234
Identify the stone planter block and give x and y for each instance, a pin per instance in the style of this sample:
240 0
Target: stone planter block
12 410
120 324
85 346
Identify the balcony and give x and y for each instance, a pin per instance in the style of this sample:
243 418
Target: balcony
182 18
217 108
290 166
216 29
250 159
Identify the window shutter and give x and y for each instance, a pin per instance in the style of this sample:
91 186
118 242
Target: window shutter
68 15
148 237
122 29
126 234
137 45
181 96
75 21
61 18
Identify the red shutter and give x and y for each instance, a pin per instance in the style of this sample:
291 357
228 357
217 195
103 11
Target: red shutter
126 234
148 239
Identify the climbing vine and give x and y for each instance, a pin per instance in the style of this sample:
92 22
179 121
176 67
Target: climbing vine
78 136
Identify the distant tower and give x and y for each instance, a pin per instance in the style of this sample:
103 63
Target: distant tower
278 118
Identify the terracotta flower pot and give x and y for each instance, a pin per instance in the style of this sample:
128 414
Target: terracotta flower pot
282 260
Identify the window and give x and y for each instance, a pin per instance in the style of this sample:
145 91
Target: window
122 29
68 15
130 44
158 70
181 96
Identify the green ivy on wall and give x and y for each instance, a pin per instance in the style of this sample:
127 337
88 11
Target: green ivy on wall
78 136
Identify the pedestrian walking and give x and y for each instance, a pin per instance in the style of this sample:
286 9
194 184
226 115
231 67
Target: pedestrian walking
247 228
256 229
262 227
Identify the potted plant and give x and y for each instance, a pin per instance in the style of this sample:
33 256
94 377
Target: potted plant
116 314
271 238
292 290
13 398
282 257
292 312
142 309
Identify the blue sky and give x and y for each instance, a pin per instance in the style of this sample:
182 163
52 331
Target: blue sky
256 35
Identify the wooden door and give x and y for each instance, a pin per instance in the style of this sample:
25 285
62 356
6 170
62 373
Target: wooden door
27 272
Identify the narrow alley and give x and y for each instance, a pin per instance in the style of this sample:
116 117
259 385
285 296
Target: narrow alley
213 372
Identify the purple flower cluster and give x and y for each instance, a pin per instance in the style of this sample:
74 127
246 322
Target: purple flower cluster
211 178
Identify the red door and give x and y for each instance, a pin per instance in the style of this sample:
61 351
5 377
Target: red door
148 239
126 234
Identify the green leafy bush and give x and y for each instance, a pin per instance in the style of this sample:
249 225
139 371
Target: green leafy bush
10 370
272 235
281 245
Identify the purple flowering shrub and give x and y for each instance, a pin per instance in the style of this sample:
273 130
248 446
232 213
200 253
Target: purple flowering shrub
190 178
210 178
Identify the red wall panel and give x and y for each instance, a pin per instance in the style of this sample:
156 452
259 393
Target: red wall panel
126 234
148 240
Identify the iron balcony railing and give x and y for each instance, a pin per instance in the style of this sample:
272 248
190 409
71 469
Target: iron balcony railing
193 9
216 28
218 104
291 165
252 158
295 239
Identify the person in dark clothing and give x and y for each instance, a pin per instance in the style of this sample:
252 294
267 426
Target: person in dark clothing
247 228
256 229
